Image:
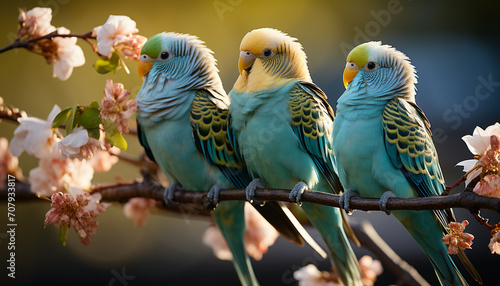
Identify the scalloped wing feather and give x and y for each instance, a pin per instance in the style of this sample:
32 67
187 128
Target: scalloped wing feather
408 143
312 119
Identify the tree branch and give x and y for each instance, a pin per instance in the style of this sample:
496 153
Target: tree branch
404 272
27 43
11 113
148 188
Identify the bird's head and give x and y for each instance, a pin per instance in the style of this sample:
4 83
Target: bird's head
179 58
382 69
268 56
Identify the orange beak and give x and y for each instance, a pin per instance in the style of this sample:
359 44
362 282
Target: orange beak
143 68
246 60
350 71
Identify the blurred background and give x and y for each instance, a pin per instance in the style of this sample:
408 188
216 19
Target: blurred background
453 44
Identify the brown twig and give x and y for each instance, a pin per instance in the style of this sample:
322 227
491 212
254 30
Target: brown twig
29 42
151 189
404 272
11 113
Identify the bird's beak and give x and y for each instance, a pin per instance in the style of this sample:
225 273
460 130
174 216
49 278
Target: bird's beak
143 68
350 71
246 61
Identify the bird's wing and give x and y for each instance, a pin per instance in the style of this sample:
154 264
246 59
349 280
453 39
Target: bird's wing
144 142
312 119
209 124
408 142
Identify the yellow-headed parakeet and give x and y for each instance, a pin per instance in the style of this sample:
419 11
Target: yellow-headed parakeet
282 124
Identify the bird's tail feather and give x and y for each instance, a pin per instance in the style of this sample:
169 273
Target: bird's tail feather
328 222
230 219
284 221
430 241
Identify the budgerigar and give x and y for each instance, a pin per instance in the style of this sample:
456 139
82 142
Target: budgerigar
383 147
182 122
282 124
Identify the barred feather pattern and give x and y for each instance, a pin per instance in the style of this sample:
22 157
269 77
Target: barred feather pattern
165 91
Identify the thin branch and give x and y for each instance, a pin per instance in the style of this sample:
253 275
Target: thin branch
404 272
11 113
152 189
28 43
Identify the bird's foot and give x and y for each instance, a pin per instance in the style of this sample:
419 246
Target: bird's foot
168 194
297 191
250 191
345 200
213 197
383 201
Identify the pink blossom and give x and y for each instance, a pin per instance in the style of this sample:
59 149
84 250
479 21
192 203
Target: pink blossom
488 186
259 236
35 136
479 141
9 164
35 22
131 48
213 238
79 145
495 243
138 209
116 107
102 161
77 209
310 276
485 145
63 53
457 238
68 55
118 34
54 174
370 270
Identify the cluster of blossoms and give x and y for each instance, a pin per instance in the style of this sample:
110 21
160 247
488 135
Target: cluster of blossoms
62 52
119 34
138 209
78 209
116 107
457 238
485 145
259 236
309 275
9 164
69 163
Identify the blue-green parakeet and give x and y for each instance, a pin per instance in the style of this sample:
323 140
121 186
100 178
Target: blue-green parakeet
382 142
281 126
182 124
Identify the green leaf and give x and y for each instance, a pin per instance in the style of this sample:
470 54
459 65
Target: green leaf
94 104
113 136
90 118
94 132
61 117
63 234
71 120
104 66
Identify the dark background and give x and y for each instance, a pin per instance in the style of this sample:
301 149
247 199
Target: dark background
453 44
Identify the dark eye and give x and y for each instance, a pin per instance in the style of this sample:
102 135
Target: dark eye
267 53
164 55
370 65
